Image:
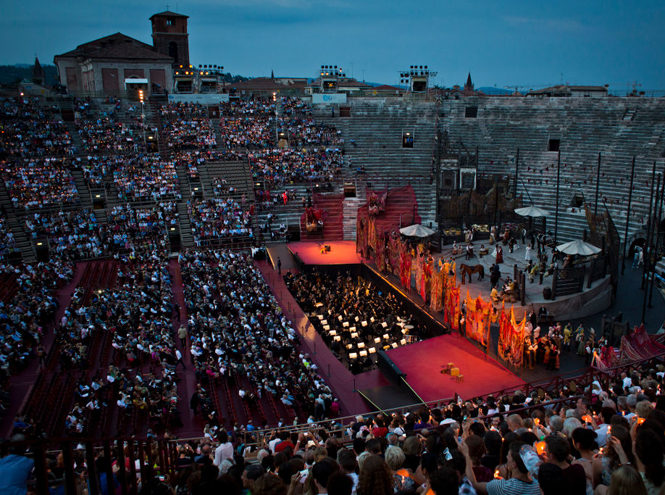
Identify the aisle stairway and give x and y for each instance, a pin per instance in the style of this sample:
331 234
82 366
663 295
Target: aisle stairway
186 238
82 188
351 206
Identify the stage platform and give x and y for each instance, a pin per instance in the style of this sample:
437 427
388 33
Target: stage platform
341 253
423 362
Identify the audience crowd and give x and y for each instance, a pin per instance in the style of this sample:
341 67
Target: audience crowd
31 129
280 166
136 315
23 318
186 126
71 235
146 178
595 442
7 239
217 218
140 230
39 183
105 133
236 328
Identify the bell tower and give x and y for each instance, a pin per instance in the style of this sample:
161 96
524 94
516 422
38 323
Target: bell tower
170 36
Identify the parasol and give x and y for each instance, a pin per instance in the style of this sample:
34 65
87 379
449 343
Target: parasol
578 247
532 211
416 230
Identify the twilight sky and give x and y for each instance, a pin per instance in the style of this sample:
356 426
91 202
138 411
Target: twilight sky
514 43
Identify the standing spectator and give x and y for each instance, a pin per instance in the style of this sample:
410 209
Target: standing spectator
178 356
520 482
182 335
225 449
557 451
15 469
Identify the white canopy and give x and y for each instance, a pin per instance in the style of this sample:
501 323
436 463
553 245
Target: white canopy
578 247
532 211
416 230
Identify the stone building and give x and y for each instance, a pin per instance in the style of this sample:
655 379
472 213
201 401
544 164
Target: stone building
120 65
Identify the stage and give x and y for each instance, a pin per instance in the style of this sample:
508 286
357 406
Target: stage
423 361
310 253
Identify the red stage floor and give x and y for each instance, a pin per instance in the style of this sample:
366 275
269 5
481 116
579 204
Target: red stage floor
423 361
341 252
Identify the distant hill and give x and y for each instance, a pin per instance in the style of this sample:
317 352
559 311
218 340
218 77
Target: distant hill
490 90
14 74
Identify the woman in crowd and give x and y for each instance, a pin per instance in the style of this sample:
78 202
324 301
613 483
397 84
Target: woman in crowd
619 451
375 477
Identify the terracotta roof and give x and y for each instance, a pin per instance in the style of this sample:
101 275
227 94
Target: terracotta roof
116 45
351 83
588 88
168 13
387 87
